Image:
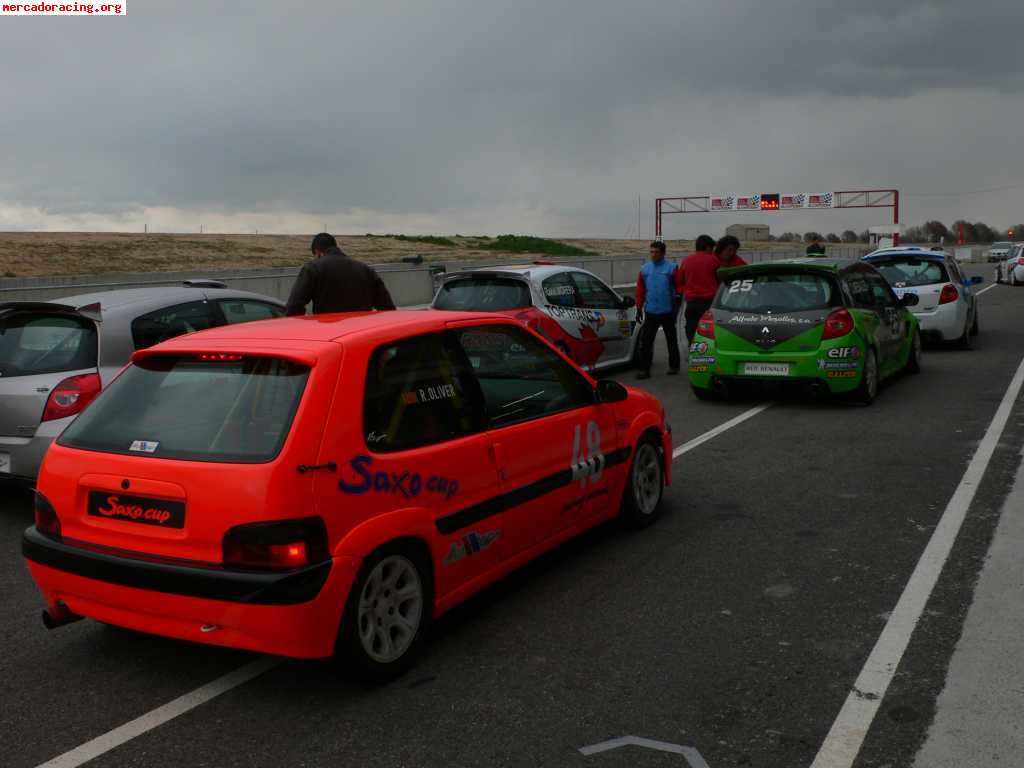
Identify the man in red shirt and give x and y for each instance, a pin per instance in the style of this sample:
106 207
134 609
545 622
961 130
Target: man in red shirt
697 276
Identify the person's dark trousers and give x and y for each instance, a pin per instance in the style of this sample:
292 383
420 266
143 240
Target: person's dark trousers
650 328
695 309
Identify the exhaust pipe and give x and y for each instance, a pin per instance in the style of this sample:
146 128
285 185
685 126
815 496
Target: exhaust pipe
59 615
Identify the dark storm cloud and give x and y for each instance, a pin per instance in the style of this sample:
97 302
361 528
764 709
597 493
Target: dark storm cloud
571 107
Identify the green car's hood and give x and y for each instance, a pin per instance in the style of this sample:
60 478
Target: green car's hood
765 331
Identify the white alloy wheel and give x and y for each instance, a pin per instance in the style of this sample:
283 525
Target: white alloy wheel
648 482
390 609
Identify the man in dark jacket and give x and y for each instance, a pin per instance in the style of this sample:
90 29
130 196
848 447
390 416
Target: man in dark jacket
336 283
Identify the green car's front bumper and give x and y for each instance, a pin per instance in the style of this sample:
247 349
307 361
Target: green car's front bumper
836 366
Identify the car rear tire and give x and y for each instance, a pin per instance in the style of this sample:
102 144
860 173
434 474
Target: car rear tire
703 394
387 614
914 359
642 499
964 342
868 389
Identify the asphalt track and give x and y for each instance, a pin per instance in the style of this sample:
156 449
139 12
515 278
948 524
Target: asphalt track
736 625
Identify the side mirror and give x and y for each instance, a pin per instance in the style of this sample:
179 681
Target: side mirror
610 391
628 302
909 300
976 280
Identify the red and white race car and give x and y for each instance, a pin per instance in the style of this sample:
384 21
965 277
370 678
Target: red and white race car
573 308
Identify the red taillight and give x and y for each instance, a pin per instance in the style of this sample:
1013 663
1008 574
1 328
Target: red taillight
706 325
71 396
218 357
46 517
276 546
839 323
949 293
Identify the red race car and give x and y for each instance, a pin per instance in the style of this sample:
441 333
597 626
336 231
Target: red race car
329 484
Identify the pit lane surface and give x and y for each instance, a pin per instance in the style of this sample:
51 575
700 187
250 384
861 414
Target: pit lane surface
736 624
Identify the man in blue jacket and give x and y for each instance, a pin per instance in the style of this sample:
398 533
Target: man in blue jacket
656 295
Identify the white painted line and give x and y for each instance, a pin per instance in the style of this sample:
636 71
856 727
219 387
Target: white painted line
844 740
988 288
712 433
147 722
693 757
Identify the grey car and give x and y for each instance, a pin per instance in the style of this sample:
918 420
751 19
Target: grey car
55 356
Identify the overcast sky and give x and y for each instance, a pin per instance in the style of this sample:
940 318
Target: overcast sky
535 116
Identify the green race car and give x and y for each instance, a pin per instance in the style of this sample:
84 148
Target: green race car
831 325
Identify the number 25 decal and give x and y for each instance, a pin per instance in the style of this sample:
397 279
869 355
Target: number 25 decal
590 465
741 286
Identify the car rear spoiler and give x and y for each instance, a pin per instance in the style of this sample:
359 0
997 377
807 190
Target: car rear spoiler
88 311
523 276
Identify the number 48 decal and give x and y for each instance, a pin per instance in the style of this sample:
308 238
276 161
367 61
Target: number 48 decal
592 464
741 286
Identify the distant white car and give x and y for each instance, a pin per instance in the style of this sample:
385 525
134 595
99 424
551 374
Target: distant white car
1011 269
999 251
947 307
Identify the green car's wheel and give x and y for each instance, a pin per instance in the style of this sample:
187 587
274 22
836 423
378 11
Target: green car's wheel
914 358
703 394
641 502
868 389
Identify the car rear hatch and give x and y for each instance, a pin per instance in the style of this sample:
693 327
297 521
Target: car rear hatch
910 274
182 447
773 311
484 292
41 345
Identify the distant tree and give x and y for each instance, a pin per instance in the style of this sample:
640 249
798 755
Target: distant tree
970 233
984 233
1018 232
772 238
811 236
915 235
864 237
832 237
849 236
937 232
788 237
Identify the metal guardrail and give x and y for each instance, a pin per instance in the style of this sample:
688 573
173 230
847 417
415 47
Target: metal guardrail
409 285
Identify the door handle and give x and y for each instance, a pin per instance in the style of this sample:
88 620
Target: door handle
330 466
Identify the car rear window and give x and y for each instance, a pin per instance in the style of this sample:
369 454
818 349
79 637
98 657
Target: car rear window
237 410
483 294
790 292
904 271
34 344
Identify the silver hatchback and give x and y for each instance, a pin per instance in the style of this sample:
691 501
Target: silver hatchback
56 356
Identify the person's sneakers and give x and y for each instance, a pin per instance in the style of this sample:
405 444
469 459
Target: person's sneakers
673 371
644 375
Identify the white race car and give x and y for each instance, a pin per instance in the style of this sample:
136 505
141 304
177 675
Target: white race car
947 307
1011 269
999 251
573 308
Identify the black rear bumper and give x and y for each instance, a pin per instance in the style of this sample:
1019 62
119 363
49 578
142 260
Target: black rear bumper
176 577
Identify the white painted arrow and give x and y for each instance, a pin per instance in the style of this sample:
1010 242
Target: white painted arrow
693 757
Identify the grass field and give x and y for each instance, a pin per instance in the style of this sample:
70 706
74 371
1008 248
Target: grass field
34 254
